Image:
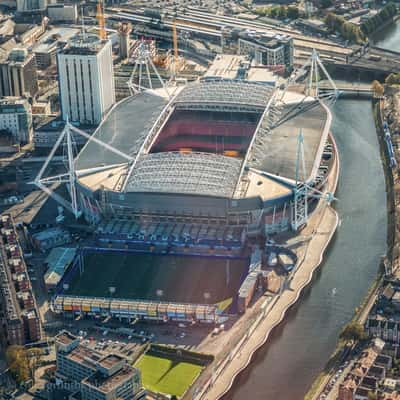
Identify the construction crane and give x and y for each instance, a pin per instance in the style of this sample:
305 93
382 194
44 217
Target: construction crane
175 41
100 20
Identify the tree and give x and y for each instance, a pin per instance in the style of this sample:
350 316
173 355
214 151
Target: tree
372 396
292 12
373 23
18 363
353 331
23 362
393 79
377 88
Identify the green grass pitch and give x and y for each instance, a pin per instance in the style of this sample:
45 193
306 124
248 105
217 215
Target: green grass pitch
158 277
163 375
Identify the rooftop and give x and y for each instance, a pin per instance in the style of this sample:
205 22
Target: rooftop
280 145
205 94
85 356
110 360
125 128
107 383
58 260
84 43
65 337
195 173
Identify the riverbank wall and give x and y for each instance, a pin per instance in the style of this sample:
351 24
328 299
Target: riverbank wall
365 306
321 227
392 186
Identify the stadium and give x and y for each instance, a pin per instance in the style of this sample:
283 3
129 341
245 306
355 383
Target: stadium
196 175
207 158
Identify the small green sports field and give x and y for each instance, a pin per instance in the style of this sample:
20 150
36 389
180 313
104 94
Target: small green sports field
163 375
158 277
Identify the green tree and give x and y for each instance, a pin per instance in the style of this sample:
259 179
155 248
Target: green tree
373 23
23 362
377 88
293 12
18 363
393 79
353 331
372 396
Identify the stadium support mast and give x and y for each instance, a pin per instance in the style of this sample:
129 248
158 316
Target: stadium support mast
303 191
67 140
143 64
315 71
300 206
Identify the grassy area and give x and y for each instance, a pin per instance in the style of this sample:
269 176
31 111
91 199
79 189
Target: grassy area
163 375
157 277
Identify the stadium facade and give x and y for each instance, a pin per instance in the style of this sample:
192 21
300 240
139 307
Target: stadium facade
223 154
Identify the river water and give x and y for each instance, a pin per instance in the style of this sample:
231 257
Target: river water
389 37
299 348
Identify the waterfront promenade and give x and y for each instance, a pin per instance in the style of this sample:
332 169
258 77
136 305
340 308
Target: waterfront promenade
321 227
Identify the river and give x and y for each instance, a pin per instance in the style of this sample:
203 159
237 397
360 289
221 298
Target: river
299 348
389 37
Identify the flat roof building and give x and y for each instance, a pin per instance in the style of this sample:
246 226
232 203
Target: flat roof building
58 261
18 74
16 119
107 377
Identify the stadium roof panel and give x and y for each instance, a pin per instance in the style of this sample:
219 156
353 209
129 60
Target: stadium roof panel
125 128
191 173
225 92
280 145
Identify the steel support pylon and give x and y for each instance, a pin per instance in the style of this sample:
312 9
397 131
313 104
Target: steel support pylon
300 203
66 139
143 67
69 178
318 72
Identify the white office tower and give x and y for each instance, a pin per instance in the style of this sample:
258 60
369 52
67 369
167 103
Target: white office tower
86 79
25 6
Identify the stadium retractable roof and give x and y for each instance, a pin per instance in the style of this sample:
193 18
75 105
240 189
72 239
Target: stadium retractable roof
174 172
208 93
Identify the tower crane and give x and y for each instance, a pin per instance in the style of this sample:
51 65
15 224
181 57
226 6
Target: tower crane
101 20
175 41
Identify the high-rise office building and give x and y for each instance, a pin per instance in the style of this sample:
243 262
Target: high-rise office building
86 79
18 74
